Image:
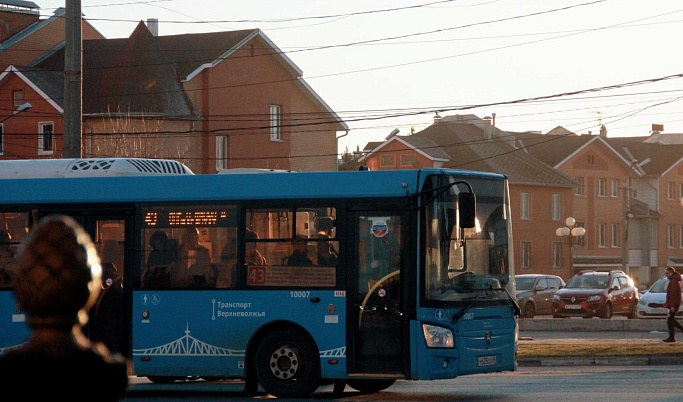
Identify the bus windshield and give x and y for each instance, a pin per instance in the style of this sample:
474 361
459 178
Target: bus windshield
465 260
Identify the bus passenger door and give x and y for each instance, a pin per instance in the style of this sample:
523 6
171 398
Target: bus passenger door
111 237
377 304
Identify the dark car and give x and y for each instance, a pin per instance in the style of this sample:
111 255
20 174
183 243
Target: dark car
535 293
594 293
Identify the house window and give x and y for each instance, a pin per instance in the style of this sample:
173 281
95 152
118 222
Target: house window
680 237
526 254
18 97
387 160
407 160
46 138
590 160
680 190
670 191
602 234
602 187
275 123
557 254
614 188
525 212
670 236
615 235
221 152
556 207
581 240
2 139
578 190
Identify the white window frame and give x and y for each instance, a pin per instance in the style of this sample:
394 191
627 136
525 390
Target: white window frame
680 237
221 152
680 191
602 187
578 190
581 240
42 138
557 254
525 206
411 160
557 207
525 254
276 123
670 190
670 236
602 235
614 188
387 160
18 97
616 236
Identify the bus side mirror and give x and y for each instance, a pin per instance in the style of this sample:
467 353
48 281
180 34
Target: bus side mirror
467 209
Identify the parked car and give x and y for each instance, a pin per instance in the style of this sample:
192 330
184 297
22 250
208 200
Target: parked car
592 293
651 304
535 293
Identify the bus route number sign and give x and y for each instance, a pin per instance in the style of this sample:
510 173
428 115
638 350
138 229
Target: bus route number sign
257 275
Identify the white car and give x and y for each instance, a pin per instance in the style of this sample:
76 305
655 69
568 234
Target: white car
651 304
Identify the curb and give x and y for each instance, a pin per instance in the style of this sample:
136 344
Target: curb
600 361
592 325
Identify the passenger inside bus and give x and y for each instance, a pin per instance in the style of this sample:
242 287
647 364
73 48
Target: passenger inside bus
227 269
196 269
160 262
6 260
299 256
251 254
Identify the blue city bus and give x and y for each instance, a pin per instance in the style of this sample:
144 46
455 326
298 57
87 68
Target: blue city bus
287 280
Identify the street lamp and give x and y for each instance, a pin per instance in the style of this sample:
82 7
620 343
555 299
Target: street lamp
25 106
569 235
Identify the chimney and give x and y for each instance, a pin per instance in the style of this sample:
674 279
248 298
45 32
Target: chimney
603 131
657 128
153 26
488 128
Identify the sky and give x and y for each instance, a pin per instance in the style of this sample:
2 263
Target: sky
385 65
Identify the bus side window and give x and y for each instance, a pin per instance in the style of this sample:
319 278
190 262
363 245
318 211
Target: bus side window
14 229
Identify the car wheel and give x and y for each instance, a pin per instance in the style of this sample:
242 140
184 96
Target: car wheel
607 314
633 313
287 364
529 310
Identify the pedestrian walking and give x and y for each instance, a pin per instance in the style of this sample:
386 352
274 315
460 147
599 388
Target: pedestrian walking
673 302
58 279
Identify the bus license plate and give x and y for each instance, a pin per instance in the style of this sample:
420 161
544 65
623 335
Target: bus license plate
487 361
572 306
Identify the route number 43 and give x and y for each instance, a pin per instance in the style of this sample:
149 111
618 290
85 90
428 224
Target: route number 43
257 275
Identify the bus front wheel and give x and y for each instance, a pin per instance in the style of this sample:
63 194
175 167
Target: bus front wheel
370 386
287 364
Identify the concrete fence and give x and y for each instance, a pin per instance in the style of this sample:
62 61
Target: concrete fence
591 325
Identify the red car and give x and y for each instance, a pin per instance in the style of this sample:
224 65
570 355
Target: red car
600 294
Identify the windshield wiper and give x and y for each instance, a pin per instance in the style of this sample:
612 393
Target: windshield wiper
515 306
462 312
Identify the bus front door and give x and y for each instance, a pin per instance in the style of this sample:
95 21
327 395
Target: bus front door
376 318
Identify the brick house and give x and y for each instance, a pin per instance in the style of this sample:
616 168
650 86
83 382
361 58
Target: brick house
627 197
213 101
540 197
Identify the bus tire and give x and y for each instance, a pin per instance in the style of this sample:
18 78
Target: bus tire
370 386
287 364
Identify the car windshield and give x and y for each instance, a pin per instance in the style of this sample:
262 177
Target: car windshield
525 283
660 286
588 282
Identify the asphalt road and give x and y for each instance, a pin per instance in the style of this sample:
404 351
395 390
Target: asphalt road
581 384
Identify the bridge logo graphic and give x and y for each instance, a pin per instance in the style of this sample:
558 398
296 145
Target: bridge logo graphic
187 346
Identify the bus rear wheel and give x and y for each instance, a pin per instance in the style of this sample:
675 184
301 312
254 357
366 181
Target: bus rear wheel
370 386
287 364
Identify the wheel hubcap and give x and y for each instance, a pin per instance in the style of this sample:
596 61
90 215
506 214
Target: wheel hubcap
284 362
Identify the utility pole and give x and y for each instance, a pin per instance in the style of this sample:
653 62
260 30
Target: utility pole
72 80
626 211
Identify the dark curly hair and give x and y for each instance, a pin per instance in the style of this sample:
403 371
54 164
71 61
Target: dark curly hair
59 273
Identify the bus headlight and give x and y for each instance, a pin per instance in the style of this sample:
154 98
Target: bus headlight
437 337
